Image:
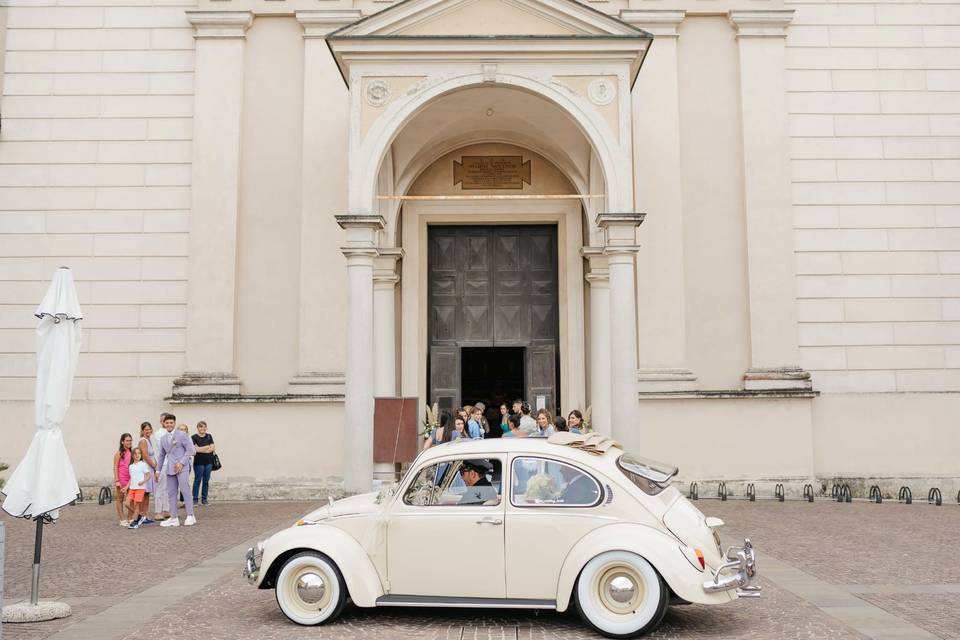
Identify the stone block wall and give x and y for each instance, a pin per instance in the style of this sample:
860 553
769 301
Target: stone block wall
95 174
875 124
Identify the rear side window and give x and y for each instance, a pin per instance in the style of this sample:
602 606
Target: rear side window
538 482
651 477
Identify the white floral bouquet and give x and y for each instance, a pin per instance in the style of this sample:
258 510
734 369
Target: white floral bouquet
431 420
542 488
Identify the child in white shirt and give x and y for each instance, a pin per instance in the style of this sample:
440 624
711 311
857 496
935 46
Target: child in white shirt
139 471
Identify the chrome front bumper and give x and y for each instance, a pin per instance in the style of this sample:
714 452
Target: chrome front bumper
743 561
251 563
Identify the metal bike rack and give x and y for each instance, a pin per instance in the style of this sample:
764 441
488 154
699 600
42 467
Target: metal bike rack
779 493
843 493
722 491
934 497
875 494
751 492
905 496
808 492
694 493
106 495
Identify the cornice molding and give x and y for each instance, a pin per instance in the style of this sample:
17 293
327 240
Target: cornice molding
317 23
663 23
220 25
764 23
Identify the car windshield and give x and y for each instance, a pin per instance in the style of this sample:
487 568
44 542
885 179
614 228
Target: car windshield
650 476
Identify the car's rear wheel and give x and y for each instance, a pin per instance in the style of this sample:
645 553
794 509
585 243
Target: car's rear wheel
621 595
310 589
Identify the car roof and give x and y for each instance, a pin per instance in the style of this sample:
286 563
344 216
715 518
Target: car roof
533 445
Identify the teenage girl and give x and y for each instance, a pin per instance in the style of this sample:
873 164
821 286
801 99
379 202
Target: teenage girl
121 474
149 456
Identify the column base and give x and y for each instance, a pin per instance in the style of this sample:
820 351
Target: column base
331 384
665 380
762 379
213 384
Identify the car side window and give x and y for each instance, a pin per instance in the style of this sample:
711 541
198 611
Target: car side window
543 482
464 482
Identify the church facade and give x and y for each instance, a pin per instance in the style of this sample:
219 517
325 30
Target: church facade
730 228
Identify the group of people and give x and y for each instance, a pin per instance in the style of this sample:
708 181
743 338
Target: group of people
516 421
159 465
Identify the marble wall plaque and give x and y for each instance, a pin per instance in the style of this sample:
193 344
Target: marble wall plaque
491 172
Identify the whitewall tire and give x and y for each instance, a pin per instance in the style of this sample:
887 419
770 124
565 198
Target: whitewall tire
310 589
621 595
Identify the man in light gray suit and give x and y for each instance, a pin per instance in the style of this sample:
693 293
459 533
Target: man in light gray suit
176 450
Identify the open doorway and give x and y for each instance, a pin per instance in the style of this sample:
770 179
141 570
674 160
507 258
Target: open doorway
492 375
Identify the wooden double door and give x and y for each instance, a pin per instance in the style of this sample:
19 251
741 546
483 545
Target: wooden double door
493 286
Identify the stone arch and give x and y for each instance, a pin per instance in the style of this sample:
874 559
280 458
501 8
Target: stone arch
366 155
429 155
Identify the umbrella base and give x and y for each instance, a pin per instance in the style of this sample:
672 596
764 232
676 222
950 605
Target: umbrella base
41 612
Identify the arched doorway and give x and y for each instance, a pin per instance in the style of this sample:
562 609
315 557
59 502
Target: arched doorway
427 97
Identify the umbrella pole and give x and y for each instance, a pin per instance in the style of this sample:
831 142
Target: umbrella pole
35 585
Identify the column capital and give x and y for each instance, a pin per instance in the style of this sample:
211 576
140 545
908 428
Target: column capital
761 23
212 25
385 274
318 23
360 220
663 23
619 230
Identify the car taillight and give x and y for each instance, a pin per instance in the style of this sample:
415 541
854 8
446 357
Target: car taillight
695 557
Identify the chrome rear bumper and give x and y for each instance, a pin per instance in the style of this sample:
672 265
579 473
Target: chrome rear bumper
743 561
251 563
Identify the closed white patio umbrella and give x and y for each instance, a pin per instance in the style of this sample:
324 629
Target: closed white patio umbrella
44 480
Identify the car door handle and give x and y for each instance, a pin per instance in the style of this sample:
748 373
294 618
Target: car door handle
493 521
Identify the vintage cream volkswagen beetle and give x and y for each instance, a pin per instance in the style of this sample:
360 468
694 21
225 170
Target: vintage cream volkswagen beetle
514 522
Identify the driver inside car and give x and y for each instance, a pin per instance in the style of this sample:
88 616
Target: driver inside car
479 490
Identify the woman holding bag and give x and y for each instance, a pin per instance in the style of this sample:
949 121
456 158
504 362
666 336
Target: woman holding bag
203 462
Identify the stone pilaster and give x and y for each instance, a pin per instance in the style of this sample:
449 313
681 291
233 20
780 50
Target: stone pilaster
215 180
323 189
599 281
620 249
774 353
360 251
661 299
385 279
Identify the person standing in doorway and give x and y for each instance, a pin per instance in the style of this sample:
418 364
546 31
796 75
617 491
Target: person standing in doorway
475 424
176 450
527 423
202 463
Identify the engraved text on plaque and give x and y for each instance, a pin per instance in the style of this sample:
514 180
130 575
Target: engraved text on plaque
491 172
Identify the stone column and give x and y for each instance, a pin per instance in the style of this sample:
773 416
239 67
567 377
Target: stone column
360 251
620 248
774 354
215 181
661 299
326 105
599 280
385 279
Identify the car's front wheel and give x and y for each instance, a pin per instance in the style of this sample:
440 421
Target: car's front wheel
621 595
310 589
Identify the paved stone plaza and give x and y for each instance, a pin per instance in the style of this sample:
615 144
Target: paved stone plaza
828 570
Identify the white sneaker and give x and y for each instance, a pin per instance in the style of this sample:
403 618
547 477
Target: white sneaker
189 521
170 522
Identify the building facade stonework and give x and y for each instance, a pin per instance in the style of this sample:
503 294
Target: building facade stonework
731 228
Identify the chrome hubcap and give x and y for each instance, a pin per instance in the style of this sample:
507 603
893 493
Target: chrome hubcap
622 589
311 588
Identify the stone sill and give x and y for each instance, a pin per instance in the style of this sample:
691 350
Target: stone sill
254 399
728 394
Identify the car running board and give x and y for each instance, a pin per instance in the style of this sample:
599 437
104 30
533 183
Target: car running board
469 603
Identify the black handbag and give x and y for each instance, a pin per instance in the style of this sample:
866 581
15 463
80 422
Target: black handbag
216 463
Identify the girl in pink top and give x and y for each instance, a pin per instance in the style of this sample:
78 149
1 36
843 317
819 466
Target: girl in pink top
121 474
